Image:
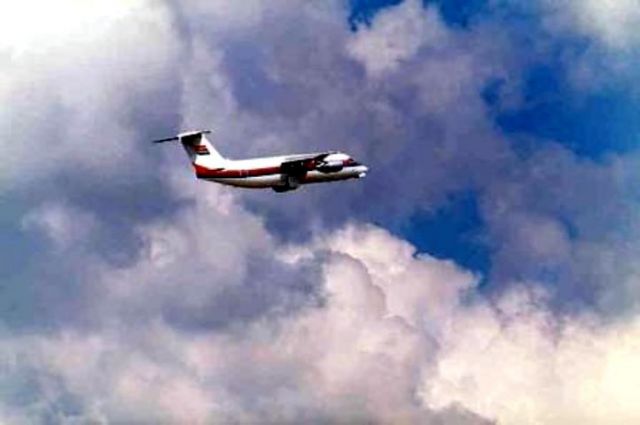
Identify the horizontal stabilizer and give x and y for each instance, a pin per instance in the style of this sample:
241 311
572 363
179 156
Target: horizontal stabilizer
183 136
170 139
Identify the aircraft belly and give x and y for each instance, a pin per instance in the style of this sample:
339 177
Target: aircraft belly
255 182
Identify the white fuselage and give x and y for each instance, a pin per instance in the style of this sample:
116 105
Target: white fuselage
267 172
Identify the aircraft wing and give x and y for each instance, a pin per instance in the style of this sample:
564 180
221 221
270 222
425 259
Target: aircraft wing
299 165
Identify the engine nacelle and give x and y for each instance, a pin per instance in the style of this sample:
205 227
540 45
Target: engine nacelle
330 166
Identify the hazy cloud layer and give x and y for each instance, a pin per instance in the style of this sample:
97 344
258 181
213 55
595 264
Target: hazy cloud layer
131 292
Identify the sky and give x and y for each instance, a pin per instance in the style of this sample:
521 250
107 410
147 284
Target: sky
484 272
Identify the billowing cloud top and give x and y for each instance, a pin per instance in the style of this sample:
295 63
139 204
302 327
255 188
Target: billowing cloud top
503 132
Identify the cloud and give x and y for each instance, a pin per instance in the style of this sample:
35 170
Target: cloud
325 98
551 370
611 22
397 36
149 296
64 227
392 340
598 41
144 356
77 97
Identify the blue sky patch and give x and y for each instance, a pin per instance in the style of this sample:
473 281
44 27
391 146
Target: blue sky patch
591 125
453 231
458 12
454 12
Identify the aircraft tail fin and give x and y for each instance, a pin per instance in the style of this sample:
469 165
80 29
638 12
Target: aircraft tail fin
199 149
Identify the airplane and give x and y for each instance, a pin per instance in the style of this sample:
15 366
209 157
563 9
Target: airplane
280 173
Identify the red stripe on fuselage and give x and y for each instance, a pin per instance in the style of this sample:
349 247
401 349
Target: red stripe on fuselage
207 173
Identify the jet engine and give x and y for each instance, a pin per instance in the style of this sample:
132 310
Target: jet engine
330 166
